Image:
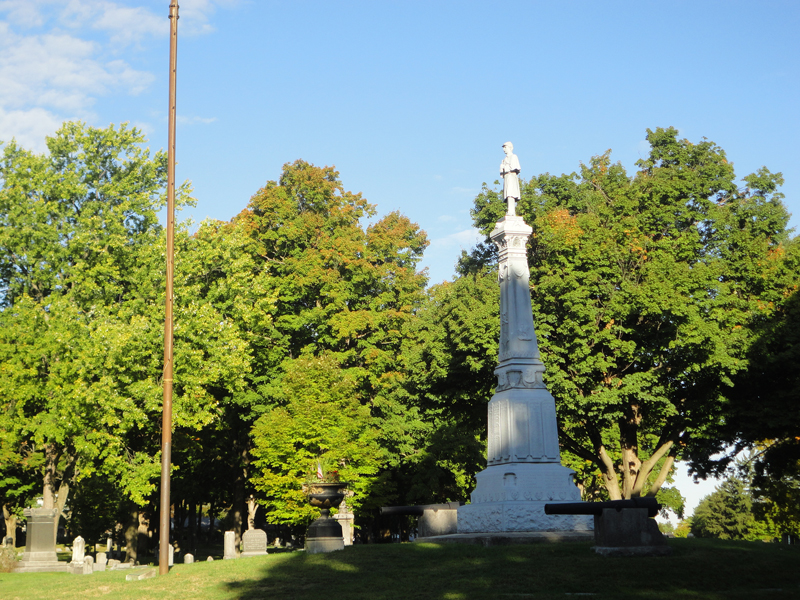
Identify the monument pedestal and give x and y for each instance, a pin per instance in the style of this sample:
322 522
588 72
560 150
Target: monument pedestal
511 498
40 546
524 469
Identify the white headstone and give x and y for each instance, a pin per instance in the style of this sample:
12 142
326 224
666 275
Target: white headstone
171 555
210 559
88 565
109 545
254 542
188 559
230 545
100 563
78 550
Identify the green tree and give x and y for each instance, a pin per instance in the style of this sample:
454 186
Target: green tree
728 514
320 417
81 276
310 282
449 353
643 291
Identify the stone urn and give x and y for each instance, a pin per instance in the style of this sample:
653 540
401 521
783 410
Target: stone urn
325 534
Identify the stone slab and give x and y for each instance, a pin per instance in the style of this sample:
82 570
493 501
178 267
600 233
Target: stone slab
321 545
148 574
41 566
509 538
438 521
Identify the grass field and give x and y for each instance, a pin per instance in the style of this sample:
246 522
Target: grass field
698 569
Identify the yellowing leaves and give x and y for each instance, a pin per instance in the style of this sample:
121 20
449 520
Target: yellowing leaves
562 227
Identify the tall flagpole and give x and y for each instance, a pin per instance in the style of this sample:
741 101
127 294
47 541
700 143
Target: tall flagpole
166 420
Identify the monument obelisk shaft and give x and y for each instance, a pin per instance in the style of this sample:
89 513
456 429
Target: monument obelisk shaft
524 468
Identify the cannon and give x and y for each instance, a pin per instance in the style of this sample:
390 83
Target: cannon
621 527
435 519
596 508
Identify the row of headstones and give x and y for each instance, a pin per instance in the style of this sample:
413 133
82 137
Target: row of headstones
254 543
82 564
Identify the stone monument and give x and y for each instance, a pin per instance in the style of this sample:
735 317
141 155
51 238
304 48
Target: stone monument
40 545
254 542
524 468
229 547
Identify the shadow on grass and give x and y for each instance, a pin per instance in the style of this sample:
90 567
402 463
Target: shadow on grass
697 569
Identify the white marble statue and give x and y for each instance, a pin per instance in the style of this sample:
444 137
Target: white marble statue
509 169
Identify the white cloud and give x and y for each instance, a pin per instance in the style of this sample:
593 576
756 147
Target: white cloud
446 218
28 127
193 120
57 57
465 239
60 72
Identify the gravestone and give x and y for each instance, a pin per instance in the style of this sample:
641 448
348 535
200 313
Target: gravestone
100 563
254 542
109 546
88 565
78 550
40 547
210 559
188 559
8 542
113 563
171 555
76 565
230 545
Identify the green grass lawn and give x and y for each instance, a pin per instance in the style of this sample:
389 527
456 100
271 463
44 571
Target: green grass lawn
698 569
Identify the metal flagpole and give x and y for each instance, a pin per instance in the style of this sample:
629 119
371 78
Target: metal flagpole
166 421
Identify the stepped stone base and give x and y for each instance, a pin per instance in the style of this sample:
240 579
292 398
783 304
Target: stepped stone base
511 498
41 566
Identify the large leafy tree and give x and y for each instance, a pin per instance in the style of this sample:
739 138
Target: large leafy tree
763 409
311 281
644 289
81 277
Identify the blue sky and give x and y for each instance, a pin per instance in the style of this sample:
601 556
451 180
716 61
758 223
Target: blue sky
410 100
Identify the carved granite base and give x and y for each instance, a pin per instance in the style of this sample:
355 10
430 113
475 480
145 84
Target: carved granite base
511 497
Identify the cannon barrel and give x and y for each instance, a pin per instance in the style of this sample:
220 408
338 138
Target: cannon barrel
402 510
417 511
596 508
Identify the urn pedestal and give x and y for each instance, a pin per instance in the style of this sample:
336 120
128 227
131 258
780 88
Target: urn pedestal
325 534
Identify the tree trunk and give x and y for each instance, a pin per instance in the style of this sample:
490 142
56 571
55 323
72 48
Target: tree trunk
131 534
51 456
238 505
61 502
192 525
10 520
